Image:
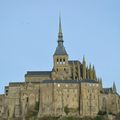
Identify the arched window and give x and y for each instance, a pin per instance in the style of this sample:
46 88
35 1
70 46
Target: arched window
27 99
57 61
60 60
63 60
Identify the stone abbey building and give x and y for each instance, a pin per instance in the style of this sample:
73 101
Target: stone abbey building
69 88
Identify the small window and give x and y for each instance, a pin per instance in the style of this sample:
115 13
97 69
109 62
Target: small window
58 85
60 61
57 60
63 61
27 99
64 69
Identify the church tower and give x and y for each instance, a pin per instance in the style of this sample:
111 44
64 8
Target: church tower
60 56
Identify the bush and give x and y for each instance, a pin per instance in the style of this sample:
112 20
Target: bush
118 116
66 110
98 118
70 118
102 113
37 106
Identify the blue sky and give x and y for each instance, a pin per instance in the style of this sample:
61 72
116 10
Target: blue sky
28 35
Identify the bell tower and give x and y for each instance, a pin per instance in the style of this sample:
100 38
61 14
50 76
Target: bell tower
60 56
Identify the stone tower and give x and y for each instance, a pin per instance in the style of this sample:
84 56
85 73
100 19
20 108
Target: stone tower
60 57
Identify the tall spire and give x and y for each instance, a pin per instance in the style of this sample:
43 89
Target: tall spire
60 50
60 35
60 26
114 87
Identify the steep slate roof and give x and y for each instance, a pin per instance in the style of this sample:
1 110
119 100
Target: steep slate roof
60 50
107 90
32 73
14 84
75 61
69 81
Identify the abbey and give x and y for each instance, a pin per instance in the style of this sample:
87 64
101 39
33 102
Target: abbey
69 88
